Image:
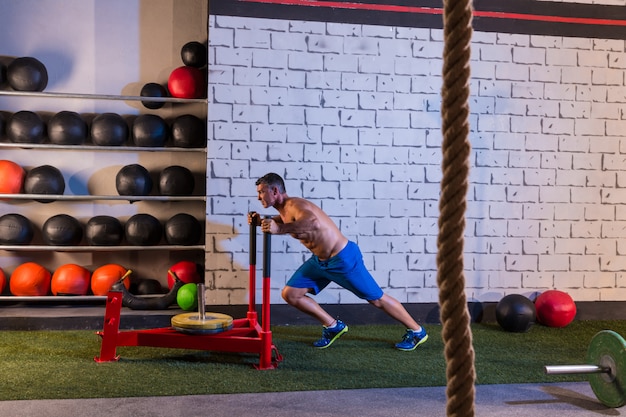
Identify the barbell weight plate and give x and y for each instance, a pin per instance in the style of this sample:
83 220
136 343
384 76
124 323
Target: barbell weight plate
192 323
608 349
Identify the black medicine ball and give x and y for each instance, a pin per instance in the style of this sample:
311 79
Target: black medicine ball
150 130
146 286
3 73
189 131
109 129
44 179
176 180
15 229
67 128
183 229
27 74
62 230
25 127
153 90
104 231
515 313
133 179
143 230
194 54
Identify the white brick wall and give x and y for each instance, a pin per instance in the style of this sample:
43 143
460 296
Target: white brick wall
349 115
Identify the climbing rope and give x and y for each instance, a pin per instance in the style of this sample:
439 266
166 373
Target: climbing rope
456 333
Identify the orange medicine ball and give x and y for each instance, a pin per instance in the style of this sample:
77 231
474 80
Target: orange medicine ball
11 177
30 279
104 277
70 279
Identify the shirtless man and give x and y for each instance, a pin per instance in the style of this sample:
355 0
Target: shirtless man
334 258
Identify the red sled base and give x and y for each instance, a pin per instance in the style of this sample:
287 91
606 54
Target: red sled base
245 336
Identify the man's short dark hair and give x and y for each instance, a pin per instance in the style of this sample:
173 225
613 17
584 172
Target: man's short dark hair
273 180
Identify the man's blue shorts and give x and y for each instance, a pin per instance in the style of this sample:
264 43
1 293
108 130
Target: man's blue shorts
346 269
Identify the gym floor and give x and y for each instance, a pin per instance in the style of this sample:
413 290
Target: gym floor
566 399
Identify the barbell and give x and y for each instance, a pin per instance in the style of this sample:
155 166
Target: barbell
606 368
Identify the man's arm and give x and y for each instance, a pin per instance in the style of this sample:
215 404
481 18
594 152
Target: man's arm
301 220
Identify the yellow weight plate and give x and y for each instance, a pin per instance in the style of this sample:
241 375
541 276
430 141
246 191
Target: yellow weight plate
194 324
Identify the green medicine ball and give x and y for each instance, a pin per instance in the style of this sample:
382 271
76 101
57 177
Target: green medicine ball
187 297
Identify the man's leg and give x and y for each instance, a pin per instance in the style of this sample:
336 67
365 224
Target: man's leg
298 298
415 334
396 310
333 329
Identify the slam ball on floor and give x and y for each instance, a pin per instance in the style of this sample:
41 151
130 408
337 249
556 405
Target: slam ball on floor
515 313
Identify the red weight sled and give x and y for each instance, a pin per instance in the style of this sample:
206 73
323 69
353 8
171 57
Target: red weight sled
245 336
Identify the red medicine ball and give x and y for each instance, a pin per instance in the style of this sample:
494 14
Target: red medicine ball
555 308
186 271
3 281
70 279
104 277
30 279
187 82
11 177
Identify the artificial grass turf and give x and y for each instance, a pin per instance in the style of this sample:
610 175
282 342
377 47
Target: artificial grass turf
60 364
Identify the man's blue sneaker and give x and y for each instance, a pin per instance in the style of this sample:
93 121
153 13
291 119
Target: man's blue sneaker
329 335
412 339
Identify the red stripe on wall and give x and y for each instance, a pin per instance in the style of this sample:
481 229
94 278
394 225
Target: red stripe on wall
439 11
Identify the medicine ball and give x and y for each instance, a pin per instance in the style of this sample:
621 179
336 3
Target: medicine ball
189 131
3 73
105 276
44 179
555 308
104 231
3 281
62 230
67 128
25 127
109 129
176 180
187 82
183 229
150 130
27 74
1 125
194 54
143 230
146 286
70 279
30 279
15 229
153 90
133 179
186 271
187 297
515 313
11 177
